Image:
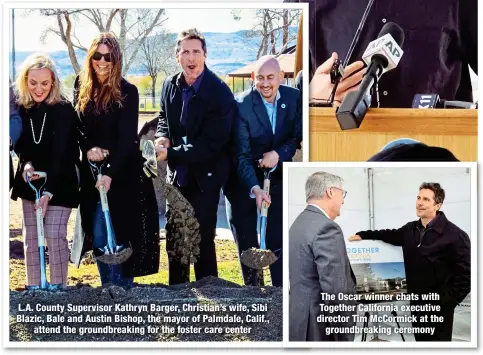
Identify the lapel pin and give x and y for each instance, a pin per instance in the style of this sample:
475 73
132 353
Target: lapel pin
283 106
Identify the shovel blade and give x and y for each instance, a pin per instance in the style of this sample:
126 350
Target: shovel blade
118 257
258 259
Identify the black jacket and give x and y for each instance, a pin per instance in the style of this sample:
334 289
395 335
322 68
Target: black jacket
253 133
436 260
441 40
211 113
132 200
56 154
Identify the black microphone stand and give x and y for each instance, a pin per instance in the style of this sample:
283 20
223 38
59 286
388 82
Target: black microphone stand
337 71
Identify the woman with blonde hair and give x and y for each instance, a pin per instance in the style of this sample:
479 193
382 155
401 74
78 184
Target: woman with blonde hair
48 143
107 105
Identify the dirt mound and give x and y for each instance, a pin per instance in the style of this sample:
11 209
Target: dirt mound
208 310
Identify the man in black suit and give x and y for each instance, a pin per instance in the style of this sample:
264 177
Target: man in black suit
267 132
197 111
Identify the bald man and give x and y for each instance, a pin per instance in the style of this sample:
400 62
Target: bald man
266 133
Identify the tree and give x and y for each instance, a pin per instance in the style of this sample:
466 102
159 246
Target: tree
132 27
157 56
271 25
69 82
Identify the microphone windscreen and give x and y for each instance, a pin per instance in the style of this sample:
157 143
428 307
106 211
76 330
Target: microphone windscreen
395 31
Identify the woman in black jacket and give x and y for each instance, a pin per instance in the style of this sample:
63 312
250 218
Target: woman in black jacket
47 143
107 106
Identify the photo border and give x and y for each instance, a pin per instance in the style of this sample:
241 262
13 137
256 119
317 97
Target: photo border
386 345
5 195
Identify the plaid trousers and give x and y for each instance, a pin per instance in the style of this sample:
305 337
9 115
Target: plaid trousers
55 230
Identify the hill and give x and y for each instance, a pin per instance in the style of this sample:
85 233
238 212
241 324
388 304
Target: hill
226 52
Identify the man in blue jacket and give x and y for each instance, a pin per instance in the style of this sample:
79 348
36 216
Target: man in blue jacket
267 132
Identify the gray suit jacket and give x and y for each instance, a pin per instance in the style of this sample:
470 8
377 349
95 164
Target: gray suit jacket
318 264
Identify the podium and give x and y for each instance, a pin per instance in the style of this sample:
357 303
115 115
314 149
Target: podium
453 129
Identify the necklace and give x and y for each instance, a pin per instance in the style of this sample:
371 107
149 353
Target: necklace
41 130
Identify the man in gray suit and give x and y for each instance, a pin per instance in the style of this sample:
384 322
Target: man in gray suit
322 284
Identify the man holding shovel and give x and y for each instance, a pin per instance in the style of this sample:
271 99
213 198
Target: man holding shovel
197 111
266 133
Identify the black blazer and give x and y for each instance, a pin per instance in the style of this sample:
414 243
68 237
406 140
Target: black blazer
212 110
253 134
57 153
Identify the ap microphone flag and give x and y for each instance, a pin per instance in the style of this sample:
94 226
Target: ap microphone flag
382 55
385 46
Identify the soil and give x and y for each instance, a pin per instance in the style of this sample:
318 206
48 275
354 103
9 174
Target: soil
182 239
257 258
182 228
208 292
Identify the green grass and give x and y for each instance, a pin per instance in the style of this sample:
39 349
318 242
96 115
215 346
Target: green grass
148 105
227 257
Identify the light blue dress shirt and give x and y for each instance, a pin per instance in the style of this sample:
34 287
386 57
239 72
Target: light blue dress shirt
272 111
272 116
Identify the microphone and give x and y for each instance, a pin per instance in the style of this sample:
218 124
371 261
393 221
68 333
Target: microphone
381 55
434 101
459 104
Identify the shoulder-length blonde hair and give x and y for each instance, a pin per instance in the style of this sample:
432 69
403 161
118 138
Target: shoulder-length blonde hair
37 61
109 91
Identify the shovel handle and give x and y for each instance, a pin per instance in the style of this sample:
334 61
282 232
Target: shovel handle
40 224
41 243
111 238
103 195
41 174
265 205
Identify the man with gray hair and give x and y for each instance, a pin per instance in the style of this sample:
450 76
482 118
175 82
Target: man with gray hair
322 284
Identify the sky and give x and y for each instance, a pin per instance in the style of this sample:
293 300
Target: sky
388 270
29 26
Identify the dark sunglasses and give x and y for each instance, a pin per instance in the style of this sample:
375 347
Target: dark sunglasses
98 56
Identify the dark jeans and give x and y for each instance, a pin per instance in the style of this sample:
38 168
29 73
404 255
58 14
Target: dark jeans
443 331
242 213
110 274
205 205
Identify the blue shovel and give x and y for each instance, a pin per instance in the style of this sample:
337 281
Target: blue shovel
112 253
261 258
44 285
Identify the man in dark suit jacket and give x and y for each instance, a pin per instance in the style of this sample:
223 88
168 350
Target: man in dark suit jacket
267 132
437 260
197 110
319 264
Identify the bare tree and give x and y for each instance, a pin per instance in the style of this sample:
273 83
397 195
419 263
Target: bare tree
157 56
140 24
133 26
270 26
